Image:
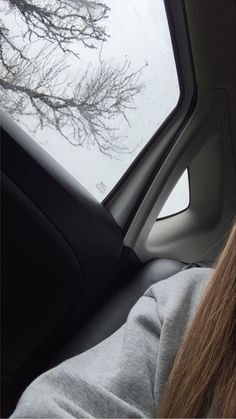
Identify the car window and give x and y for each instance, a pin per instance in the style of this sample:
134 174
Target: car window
178 199
91 82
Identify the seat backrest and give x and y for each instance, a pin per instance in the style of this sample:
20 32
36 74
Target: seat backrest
114 312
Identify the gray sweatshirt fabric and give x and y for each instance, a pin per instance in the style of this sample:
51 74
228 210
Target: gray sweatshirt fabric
123 376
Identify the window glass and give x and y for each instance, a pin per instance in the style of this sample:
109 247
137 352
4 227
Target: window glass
90 81
178 199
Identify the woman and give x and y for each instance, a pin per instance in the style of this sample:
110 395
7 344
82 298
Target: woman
203 378
136 373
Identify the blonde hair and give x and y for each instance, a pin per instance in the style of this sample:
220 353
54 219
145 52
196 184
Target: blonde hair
202 381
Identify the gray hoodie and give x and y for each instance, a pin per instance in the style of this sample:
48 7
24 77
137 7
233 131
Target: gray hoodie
123 376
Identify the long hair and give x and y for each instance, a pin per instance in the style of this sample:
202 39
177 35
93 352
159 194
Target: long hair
202 382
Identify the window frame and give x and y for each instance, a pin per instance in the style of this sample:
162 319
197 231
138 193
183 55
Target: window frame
171 126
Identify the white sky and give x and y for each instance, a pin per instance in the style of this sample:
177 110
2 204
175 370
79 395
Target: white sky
138 32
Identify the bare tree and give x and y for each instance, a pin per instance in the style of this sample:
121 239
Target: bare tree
83 109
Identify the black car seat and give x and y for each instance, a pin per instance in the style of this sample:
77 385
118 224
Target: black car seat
113 314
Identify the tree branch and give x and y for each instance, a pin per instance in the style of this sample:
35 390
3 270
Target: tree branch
84 110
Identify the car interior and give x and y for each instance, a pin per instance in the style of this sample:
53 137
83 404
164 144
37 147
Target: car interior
72 268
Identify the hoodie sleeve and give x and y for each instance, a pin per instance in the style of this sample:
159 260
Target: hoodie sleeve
124 375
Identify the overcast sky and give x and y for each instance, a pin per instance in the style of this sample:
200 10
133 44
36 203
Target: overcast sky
139 33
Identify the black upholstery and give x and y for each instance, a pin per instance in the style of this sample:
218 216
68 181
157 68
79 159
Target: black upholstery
114 313
60 250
